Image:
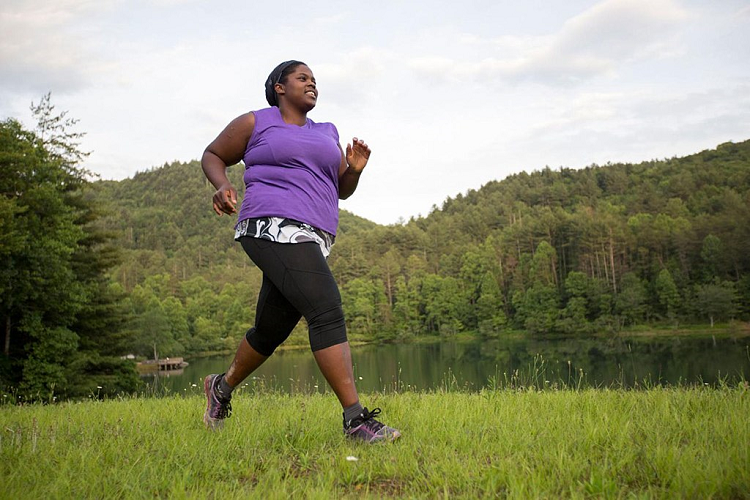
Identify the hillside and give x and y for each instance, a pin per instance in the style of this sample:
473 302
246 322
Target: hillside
566 251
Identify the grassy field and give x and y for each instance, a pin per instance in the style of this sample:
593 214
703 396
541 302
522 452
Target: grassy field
507 443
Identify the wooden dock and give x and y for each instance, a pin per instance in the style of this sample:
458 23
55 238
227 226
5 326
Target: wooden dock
171 364
161 365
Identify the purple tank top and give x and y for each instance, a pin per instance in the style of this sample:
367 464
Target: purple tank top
292 171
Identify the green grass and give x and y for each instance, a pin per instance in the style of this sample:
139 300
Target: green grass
689 442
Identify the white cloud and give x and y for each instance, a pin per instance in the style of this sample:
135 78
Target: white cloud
433 65
331 20
620 29
584 110
595 43
40 48
356 66
638 125
353 80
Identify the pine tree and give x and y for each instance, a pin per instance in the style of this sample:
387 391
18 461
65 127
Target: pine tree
55 302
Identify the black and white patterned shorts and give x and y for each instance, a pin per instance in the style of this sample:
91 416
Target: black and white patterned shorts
284 230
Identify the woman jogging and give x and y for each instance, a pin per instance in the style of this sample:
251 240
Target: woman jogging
295 173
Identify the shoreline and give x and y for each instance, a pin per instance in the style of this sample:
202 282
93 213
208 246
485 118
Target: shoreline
735 330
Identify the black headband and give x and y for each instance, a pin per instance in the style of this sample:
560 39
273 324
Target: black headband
274 78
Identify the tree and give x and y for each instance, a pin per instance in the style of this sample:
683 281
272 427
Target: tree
573 316
52 284
716 301
407 318
476 265
544 265
444 304
360 300
490 309
630 303
711 254
667 294
40 295
537 308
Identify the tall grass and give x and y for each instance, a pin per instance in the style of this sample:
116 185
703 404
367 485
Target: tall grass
514 442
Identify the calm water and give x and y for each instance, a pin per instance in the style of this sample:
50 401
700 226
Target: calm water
475 365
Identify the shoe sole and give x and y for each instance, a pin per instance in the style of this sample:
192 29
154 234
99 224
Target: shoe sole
393 437
211 423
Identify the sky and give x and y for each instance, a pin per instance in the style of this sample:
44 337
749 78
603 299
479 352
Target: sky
449 95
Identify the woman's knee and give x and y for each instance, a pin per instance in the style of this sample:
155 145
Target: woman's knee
264 344
327 327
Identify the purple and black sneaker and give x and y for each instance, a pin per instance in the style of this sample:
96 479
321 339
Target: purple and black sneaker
366 428
218 408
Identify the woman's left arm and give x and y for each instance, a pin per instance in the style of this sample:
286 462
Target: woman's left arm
352 164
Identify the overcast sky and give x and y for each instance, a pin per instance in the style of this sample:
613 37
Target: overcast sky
449 94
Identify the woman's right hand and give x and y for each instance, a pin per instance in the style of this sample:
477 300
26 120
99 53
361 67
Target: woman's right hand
227 149
225 200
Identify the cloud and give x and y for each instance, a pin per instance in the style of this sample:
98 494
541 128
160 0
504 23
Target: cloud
567 113
40 48
356 78
637 125
356 66
619 29
595 43
332 20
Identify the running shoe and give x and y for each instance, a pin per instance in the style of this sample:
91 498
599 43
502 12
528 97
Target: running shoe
218 408
366 428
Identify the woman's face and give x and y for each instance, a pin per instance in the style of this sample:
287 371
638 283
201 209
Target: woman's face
299 88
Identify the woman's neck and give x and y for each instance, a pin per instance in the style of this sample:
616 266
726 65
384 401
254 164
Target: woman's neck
292 116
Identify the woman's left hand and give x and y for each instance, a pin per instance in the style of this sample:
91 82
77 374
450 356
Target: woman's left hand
357 154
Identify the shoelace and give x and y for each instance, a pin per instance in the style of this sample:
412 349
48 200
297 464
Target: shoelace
364 417
225 410
225 405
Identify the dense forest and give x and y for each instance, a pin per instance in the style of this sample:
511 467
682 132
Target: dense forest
554 251
146 267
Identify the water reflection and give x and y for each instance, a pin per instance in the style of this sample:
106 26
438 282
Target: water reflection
475 365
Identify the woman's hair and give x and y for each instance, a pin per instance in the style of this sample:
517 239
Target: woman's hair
278 75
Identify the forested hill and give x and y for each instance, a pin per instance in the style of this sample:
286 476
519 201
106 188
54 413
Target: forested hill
562 251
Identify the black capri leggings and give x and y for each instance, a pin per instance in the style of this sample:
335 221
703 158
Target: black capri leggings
296 282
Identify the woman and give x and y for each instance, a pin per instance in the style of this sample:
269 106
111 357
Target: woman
295 172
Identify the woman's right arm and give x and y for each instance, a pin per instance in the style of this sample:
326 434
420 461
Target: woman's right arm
227 149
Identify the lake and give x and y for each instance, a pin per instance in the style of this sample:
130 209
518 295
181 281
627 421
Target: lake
579 362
